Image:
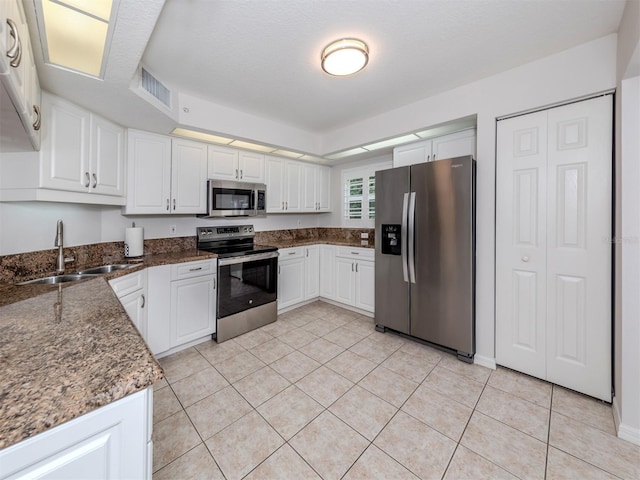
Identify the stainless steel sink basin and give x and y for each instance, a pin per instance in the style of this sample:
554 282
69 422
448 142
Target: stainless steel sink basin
56 279
105 269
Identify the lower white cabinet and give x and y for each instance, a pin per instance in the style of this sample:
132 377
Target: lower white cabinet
131 290
355 277
342 274
291 284
111 442
182 304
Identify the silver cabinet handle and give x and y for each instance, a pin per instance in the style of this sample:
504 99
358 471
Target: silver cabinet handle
144 301
291 253
174 204
356 267
15 52
355 253
286 205
352 269
167 204
237 178
428 157
215 282
36 124
434 157
278 269
307 252
86 185
95 180
282 205
241 175
195 269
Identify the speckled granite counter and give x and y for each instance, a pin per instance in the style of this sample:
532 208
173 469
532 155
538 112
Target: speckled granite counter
67 349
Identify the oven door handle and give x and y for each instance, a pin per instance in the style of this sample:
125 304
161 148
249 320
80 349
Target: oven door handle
247 258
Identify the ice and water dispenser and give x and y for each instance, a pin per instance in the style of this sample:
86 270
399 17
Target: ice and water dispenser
391 240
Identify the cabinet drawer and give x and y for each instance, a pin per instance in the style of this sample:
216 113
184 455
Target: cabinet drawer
129 283
192 269
290 253
355 252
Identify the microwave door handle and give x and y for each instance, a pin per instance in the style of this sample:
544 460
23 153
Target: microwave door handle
254 200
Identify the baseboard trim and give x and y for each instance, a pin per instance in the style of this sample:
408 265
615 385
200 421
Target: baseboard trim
483 361
625 432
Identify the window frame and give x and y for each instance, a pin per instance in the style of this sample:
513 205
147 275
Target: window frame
363 172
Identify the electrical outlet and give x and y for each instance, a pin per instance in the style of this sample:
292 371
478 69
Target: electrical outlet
364 235
172 230
364 243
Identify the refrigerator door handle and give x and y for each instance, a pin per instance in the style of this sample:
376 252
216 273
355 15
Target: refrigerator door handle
403 237
411 241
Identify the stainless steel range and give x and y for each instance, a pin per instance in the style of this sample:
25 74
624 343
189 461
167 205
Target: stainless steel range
247 279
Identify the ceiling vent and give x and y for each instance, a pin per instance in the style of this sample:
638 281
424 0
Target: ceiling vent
152 85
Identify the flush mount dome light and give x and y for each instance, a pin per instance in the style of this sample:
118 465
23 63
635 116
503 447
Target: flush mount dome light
345 57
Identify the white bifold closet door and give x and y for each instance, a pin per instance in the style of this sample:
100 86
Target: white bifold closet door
553 249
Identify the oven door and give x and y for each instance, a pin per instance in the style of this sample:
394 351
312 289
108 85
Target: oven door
247 281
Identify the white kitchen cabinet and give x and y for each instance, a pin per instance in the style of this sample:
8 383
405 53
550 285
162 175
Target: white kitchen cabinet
327 269
111 442
284 185
193 307
355 277
291 277
235 165
165 176
311 272
182 304
131 290
81 152
20 99
316 188
188 176
446 146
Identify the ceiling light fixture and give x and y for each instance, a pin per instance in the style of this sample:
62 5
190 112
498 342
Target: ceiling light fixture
345 57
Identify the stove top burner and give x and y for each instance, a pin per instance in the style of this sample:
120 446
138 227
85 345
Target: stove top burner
230 241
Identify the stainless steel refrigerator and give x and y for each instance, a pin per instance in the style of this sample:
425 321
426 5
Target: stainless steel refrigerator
425 253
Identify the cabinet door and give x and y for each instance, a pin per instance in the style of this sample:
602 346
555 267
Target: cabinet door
188 176
65 152
222 163
411 154
311 272
159 309
251 167
148 173
275 185
16 79
454 145
135 305
107 157
292 185
344 280
365 286
193 309
327 269
290 282
323 195
309 188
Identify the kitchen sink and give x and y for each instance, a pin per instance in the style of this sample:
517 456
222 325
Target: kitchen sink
105 269
56 279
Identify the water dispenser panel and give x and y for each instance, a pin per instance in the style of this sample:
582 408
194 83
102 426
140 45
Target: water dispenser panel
391 240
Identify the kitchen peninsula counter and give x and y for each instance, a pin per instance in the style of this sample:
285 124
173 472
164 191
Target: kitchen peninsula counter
68 349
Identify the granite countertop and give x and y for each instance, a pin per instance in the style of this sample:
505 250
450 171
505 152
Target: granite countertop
301 243
67 349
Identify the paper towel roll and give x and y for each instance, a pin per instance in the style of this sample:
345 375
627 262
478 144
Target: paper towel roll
133 242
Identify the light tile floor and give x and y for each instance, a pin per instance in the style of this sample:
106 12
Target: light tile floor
321 394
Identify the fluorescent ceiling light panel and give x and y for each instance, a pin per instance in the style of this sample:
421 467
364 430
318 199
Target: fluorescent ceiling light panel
346 153
207 137
391 142
287 153
311 158
252 146
76 33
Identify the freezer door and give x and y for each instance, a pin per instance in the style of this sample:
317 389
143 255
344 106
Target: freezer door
442 297
391 289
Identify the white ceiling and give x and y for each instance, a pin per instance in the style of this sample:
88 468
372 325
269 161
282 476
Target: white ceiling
261 57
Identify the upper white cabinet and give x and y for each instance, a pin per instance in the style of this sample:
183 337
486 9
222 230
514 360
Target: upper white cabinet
284 190
81 151
447 146
238 165
20 99
165 175
316 192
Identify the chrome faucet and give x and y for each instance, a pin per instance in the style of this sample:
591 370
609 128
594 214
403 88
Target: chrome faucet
59 243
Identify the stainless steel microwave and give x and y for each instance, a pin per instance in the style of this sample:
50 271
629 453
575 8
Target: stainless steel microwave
235 199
